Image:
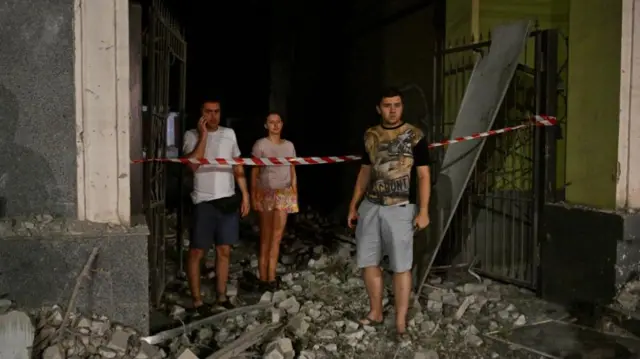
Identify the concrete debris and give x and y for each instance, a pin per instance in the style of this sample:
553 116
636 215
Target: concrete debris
16 335
321 295
92 337
45 225
312 315
629 296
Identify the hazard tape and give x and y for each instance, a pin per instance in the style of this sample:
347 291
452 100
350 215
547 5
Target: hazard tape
286 161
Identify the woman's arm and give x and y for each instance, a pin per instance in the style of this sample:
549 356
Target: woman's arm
255 172
294 177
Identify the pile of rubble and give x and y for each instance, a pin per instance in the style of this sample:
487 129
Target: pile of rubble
313 315
629 296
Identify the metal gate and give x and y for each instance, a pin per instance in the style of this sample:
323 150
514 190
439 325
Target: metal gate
165 69
495 227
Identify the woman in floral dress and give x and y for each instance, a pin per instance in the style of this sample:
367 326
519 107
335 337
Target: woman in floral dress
274 193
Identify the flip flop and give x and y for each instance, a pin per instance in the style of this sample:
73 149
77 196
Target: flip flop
365 320
370 322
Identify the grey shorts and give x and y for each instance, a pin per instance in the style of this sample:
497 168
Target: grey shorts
385 230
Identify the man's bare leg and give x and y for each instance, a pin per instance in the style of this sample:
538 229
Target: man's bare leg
193 275
402 293
223 255
373 282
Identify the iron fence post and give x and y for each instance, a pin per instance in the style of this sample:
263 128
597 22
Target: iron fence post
545 138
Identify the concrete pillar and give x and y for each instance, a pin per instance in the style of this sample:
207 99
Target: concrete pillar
628 167
102 110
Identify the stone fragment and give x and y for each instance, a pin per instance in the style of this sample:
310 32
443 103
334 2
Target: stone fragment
99 327
274 354
474 288
5 304
331 348
473 340
177 311
16 335
306 354
266 297
522 320
279 296
429 354
276 315
284 346
187 354
434 306
107 353
298 326
291 305
52 352
327 334
119 341
232 288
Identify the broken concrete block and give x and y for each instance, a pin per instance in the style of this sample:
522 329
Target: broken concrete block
119 341
291 305
16 335
187 354
5 304
429 354
53 352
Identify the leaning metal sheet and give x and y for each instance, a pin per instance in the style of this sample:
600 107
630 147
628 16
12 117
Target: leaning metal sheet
482 99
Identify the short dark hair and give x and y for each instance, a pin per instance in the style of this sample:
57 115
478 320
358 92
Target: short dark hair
389 91
210 100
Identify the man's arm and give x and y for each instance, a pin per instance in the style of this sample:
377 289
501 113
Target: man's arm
241 179
422 161
363 179
238 170
361 185
194 147
424 188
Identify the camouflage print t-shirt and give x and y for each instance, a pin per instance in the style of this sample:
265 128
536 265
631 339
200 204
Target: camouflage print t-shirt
394 153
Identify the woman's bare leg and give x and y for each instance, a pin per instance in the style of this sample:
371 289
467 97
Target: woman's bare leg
266 233
279 222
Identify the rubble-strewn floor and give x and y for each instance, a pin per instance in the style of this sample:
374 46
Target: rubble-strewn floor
322 293
313 315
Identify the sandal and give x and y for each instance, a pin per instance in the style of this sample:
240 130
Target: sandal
370 322
362 321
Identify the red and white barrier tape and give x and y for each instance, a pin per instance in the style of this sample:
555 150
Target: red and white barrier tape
285 161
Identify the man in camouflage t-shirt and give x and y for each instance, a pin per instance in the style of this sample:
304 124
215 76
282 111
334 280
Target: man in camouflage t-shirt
395 156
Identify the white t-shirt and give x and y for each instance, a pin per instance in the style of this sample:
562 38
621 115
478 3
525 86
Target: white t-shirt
213 181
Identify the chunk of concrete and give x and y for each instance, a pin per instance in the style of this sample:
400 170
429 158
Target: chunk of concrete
16 335
187 354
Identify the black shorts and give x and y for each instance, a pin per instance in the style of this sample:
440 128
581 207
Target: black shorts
211 226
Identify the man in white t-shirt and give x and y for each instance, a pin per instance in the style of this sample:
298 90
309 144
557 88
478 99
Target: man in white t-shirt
217 209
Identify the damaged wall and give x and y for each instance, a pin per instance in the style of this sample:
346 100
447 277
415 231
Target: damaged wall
38 137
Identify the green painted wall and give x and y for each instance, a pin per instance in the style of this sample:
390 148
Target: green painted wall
591 103
547 14
594 90
458 26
